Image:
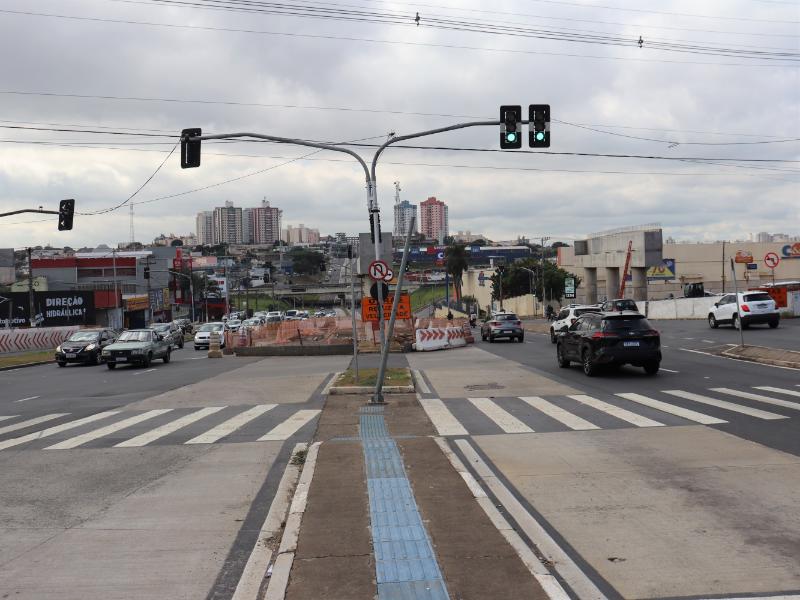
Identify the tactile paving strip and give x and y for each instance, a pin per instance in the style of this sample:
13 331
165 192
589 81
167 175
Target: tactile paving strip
405 564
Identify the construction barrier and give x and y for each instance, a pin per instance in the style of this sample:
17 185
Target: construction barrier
35 338
439 338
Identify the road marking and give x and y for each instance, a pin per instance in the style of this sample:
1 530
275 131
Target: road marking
159 432
745 410
143 372
289 427
767 388
688 338
672 409
421 382
558 413
29 422
441 417
79 440
757 398
616 411
231 425
734 358
669 370
57 429
505 420
327 389
28 398
708 341
198 358
4 417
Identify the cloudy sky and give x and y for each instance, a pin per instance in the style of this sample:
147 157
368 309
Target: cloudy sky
95 92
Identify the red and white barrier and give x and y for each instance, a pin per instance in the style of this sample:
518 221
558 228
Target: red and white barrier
36 338
438 338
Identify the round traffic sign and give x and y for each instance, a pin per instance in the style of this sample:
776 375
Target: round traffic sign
389 276
771 260
378 270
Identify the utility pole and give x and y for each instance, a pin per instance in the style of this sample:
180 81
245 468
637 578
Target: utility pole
353 307
30 287
544 239
723 267
149 298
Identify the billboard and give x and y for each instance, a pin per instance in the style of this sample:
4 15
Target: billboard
664 271
51 309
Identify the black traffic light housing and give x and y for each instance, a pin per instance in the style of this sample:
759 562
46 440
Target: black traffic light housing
147 272
190 150
66 210
539 125
510 134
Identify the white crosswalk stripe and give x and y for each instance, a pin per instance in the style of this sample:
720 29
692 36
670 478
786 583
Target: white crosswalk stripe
559 414
777 390
79 440
30 422
228 427
36 435
745 410
442 418
166 429
757 398
289 427
616 411
672 409
6 417
504 420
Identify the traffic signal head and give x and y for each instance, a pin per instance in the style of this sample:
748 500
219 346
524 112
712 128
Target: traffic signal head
510 135
147 272
539 125
190 150
66 210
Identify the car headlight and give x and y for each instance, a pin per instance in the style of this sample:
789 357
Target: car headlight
58 348
106 352
91 347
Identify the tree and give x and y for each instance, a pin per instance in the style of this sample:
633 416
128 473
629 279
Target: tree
456 263
518 282
307 262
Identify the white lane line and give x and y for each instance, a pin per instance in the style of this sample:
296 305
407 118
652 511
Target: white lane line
29 422
505 420
745 410
4 417
688 338
616 411
56 429
285 430
672 409
28 398
79 440
559 414
734 358
421 382
327 389
166 429
231 425
198 358
757 398
669 370
708 341
441 417
768 388
143 372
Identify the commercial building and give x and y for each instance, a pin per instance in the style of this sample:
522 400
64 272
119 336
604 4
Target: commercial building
434 221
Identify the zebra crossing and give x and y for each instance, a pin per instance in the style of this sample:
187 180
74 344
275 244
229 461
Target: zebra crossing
583 412
163 426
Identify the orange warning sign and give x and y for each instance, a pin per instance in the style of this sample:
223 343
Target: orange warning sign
369 308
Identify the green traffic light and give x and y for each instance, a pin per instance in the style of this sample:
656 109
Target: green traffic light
511 137
540 136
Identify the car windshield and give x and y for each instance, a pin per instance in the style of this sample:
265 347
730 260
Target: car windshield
211 327
760 297
506 317
625 305
631 323
581 311
135 336
161 328
83 336
234 322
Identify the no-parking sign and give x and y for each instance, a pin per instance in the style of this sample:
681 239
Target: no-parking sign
771 260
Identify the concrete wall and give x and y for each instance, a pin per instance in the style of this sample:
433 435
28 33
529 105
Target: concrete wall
36 338
523 306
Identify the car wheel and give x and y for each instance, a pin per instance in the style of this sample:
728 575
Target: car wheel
61 363
773 324
181 345
521 339
111 366
736 322
589 368
651 368
147 360
553 338
95 358
491 339
166 357
563 362
712 322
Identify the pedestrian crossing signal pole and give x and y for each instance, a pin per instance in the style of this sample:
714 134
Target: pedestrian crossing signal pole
738 308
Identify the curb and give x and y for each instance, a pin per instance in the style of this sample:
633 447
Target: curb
786 364
365 389
24 365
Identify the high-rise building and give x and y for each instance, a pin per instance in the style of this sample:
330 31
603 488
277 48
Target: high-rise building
300 235
404 211
227 224
247 225
266 223
205 227
434 222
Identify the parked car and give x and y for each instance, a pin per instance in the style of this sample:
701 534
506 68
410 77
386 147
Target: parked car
171 332
201 338
137 346
234 324
84 346
756 307
619 304
251 323
567 316
291 315
610 339
503 325
274 313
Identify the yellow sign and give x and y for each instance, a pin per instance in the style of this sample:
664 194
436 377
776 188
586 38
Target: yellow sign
743 256
136 303
369 308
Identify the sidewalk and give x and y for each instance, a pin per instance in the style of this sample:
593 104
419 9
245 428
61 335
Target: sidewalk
388 516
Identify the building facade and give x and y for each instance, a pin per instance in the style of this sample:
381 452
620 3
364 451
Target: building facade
301 235
266 224
434 222
404 212
228 224
204 227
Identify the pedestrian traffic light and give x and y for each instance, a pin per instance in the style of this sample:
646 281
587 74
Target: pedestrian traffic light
66 210
539 125
190 150
147 272
510 119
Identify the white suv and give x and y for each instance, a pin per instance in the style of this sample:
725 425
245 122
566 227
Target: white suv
567 316
756 307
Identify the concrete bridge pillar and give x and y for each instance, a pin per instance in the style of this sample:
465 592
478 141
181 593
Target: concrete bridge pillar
590 284
612 282
639 283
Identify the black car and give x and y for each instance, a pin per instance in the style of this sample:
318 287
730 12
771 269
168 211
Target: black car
84 346
610 339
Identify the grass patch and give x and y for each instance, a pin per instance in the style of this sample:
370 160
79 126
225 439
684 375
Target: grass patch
26 357
368 377
299 457
427 294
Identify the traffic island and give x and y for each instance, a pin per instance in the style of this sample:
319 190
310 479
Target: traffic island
768 356
397 381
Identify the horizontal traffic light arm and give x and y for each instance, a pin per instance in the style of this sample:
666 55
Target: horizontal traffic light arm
30 210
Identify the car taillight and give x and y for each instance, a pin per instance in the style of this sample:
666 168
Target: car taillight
745 308
495 323
518 323
650 333
603 334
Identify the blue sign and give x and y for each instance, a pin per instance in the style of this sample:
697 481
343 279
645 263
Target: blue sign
752 266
